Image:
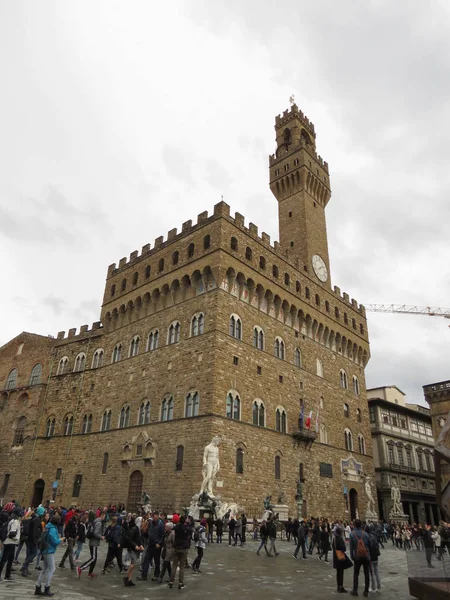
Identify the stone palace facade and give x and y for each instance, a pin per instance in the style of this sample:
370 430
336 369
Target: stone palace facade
212 331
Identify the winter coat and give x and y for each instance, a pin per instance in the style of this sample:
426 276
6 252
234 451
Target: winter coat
155 533
324 541
238 528
339 544
70 531
13 527
354 537
53 540
81 532
94 542
202 541
374 549
169 548
114 535
35 529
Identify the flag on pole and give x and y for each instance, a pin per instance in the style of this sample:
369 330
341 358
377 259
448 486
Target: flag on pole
308 420
301 417
317 419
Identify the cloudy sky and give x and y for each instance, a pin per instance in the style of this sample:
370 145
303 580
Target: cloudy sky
120 120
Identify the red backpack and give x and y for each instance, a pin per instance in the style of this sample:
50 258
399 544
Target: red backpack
361 549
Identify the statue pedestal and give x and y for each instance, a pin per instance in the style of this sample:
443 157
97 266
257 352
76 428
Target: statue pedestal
282 510
399 518
371 516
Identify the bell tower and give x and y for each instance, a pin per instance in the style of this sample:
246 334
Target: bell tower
300 181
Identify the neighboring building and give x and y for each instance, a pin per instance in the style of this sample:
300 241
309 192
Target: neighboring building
403 447
214 331
438 397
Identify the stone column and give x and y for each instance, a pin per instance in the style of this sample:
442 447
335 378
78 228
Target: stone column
439 513
422 512
411 513
430 510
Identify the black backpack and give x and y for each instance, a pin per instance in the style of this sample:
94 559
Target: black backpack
43 543
197 534
445 533
4 531
90 531
25 529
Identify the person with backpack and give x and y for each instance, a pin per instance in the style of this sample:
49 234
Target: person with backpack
70 534
200 541
374 556
113 535
132 541
32 532
11 539
81 535
94 535
181 547
360 555
48 542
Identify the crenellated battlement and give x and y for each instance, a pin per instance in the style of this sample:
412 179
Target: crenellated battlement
84 332
294 112
273 158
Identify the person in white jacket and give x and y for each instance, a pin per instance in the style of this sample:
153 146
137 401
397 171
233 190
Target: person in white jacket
10 544
200 543
437 542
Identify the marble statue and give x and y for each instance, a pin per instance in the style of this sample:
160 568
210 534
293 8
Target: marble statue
145 502
370 498
397 508
211 466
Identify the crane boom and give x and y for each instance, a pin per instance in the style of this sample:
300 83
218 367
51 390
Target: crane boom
406 309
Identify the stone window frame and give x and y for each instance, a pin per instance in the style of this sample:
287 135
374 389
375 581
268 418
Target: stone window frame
144 412
152 340
198 324
206 242
19 431
361 444
134 346
277 466
281 424
233 401
323 434
173 333
50 425
175 258
235 326
105 423
319 368
80 362
279 347
68 424
63 365
343 379
97 358
259 404
348 439
240 462
298 358
259 338
248 253
117 353
192 404
356 387
124 417
36 373
346 410
167 407
86 423
234 244
190 250
135 278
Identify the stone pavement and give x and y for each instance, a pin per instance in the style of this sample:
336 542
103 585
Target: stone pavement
226 573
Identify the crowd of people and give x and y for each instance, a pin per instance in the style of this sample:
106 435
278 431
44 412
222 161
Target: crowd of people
161 544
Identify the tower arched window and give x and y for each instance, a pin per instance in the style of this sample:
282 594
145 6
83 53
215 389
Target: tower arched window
258 338
173 334
123 285
192 405
307 293
358 415
343 379
97 359
234 244
175 257
124 417
19 433
233 407
336 313
11 382
134 346
356 385
206 242
259 413
191 250
277 467
298 287
197 324
262 262
346 410
160 265
153 338
279 348
298 358
239 461
135 278
323 434
327 306
36 373
144 413
281 420
86 426
275 271
317 299
287 279
348 439
248 253
117 353
235 327
68 425
148 271
113 290
80 362
167 409
362 444
50 427
319 367
106 420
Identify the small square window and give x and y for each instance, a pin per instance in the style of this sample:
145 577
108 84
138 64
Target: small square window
259 370
292 244
296 334
280 378
290 213
235 360
301 385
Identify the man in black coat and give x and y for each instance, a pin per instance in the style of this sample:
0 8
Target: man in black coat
302 532
34 531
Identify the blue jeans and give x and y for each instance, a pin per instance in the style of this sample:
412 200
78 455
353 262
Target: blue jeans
375 576
32 551
77 552
263 543
45 576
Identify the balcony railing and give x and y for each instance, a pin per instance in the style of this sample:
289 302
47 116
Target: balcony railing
304 435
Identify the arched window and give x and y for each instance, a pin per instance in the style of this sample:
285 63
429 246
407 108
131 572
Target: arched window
134 346
336 313
144 413
277 467
239 461
19 433
323 434
135 278
346 410
233 406
262 262
86 426
68 425
358 415
248 253
206 242
356 385
167 409
361 329
105 463
258 338
307 293
97 359
348 440
123 285
197 324
275 271
343 379
258 413
173 334
113 290
148 271
235 327
428 461
298 358
153 338
175 257
279 348
409 458
234 244
50 427
298 288
36 373
192 405
124 417
180 458
287 279
317 299
354 323
319 367
117 353
80 362
327 306
11 382
346 318
281 420
362 445
191 250
160 265
106 420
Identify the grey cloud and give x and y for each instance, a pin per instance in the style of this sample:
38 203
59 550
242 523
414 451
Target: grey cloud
57 305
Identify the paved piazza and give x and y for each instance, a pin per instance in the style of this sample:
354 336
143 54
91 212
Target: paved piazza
226 573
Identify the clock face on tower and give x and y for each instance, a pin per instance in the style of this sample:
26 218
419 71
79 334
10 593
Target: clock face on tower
320 268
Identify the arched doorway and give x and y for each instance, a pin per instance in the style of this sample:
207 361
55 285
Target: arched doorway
38 493
353 504
135 490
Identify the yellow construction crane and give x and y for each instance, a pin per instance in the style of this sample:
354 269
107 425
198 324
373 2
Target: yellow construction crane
405 309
